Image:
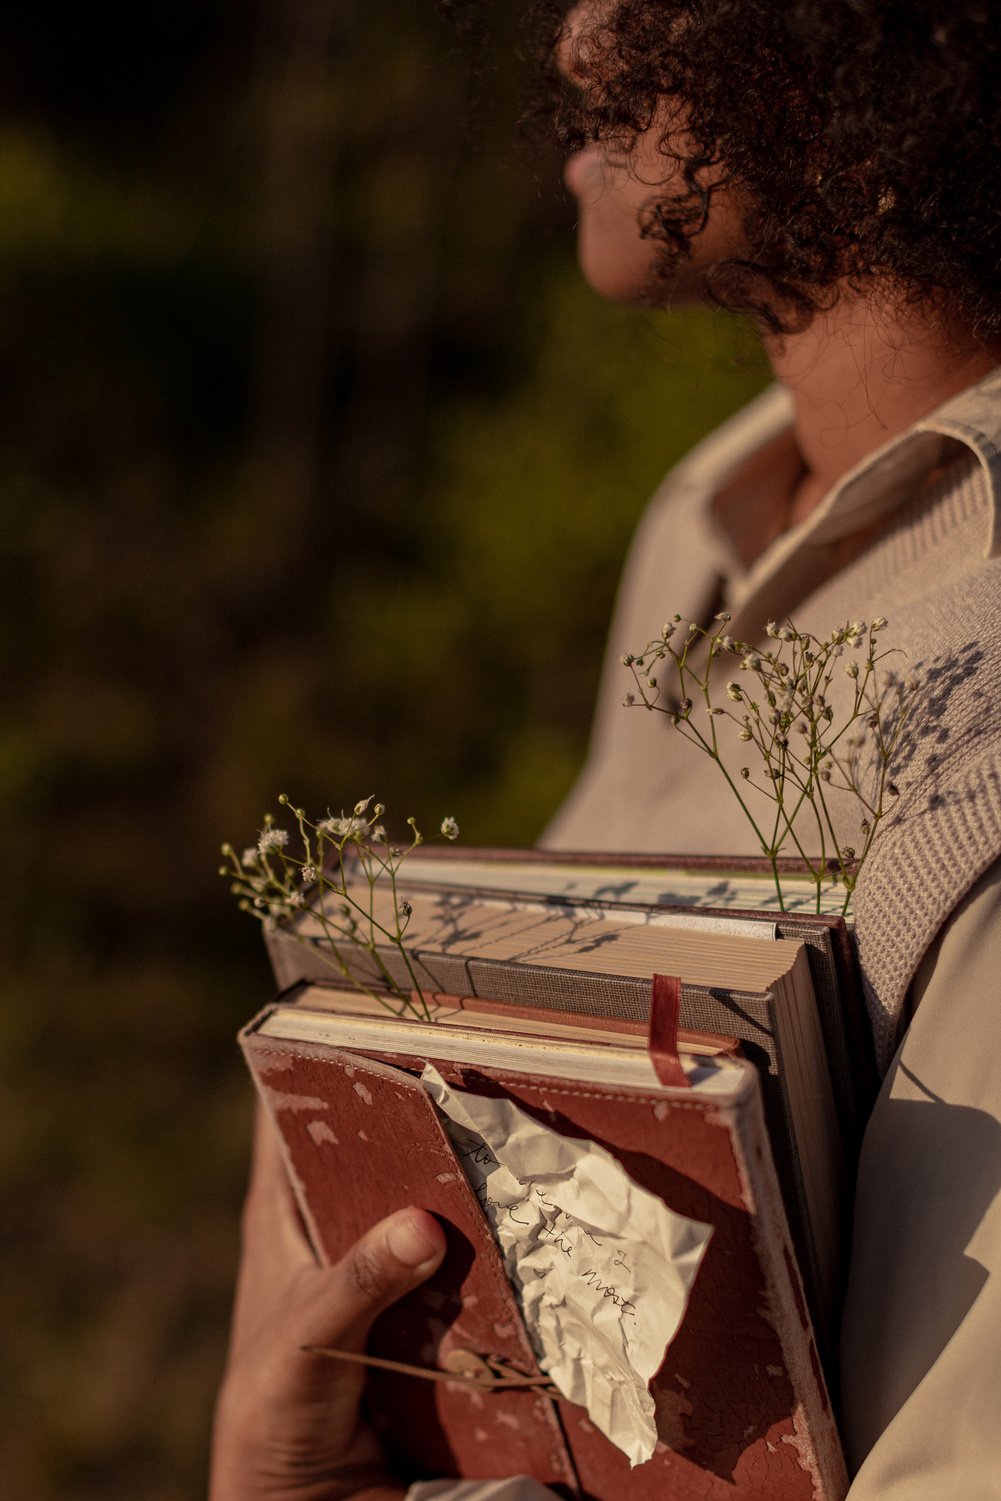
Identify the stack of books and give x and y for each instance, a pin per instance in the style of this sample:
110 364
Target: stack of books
746 1116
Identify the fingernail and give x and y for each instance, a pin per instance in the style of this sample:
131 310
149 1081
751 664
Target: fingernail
410 1243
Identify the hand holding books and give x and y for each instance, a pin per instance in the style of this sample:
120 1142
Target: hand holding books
287 1421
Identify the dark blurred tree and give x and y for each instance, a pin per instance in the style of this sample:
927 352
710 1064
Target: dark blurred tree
317 463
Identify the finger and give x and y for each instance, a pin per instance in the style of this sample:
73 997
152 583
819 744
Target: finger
278 1399
393 1257
339 1304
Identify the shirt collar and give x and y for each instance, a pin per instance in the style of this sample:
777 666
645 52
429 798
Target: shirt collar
884 478
974 418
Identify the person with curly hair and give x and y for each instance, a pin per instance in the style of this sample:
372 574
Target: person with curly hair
827 170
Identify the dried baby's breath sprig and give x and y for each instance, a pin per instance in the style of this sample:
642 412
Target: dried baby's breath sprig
334 869
784 708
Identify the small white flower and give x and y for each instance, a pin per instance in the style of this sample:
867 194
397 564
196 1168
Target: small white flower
733 693
249 856
342 828
771 629
744 734
724 616
272 839
751 662
362 807
879 624
450 828
628 699
379 834
308 874
852 669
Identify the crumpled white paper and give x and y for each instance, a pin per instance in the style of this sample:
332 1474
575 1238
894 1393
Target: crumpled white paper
603 1269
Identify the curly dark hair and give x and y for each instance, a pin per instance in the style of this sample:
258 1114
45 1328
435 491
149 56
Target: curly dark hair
861 135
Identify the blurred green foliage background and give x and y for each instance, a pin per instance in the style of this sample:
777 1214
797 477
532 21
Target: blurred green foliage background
317 464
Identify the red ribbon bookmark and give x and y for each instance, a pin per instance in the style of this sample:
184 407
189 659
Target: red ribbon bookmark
665 1010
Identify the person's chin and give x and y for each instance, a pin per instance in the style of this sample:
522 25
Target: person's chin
619 273
639 278
610 283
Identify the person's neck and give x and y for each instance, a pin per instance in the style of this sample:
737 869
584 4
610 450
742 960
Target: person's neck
862 373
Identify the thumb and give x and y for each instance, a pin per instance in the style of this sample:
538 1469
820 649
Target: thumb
285 1415
394 1256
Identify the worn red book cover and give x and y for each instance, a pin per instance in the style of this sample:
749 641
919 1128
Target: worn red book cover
742 1409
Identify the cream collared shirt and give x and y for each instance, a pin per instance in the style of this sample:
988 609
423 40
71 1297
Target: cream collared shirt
921 1346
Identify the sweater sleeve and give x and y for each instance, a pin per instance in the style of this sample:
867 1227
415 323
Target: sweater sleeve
921 1334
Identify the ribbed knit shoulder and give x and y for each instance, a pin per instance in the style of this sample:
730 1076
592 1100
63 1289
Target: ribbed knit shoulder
929 575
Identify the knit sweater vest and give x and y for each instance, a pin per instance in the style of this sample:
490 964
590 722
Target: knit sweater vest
923 566
927 573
